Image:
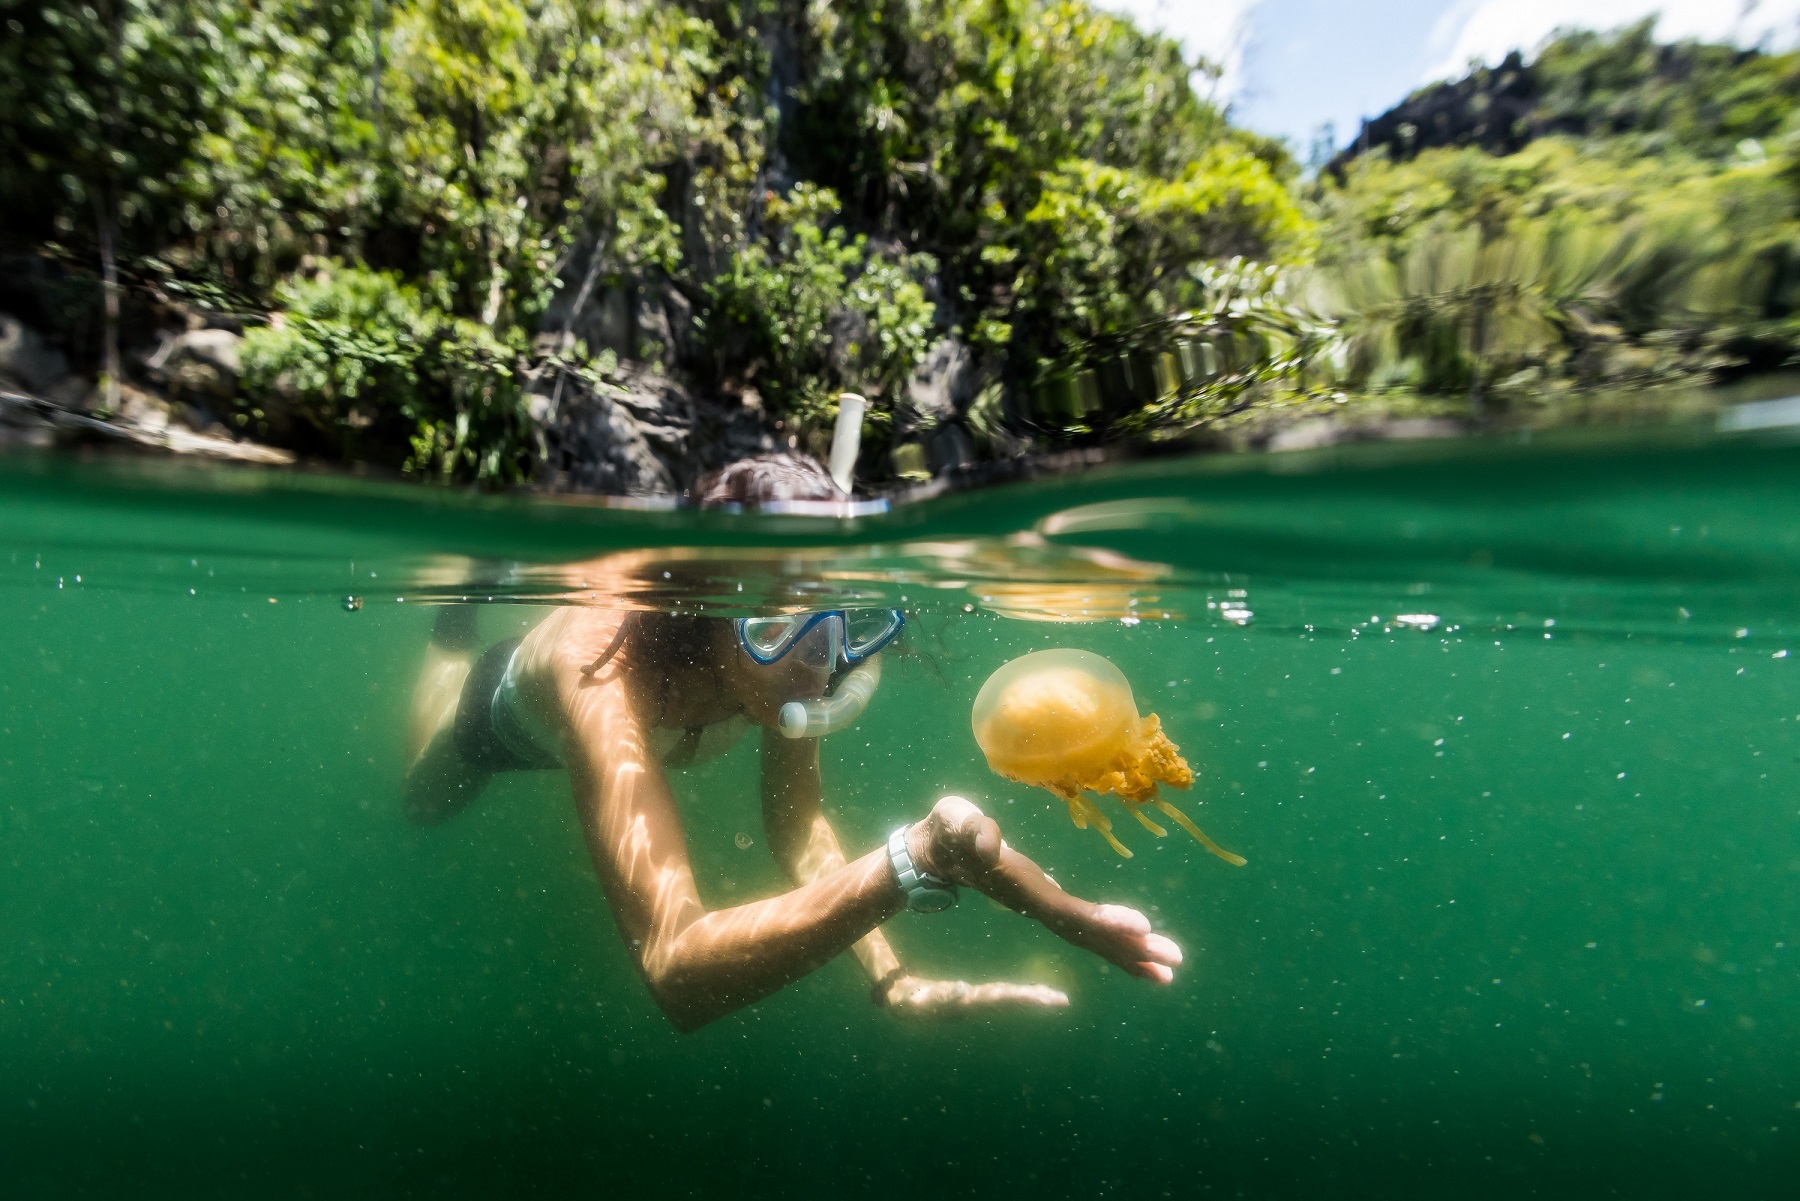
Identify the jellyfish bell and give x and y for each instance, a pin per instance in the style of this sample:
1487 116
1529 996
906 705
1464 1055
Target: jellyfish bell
1065 720
1054 714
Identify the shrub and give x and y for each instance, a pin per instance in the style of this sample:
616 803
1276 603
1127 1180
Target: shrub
383 376
807 311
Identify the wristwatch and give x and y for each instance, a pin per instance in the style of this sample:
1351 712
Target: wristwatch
925 893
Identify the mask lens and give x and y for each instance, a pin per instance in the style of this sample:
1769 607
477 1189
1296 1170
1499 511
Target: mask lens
767 637
868 630
818 648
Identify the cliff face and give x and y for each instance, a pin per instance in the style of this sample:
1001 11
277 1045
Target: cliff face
1705 98
1492 107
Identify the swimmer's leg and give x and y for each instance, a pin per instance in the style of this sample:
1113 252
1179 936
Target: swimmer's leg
440 782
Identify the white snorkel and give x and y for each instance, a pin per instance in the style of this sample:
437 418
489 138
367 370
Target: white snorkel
829 714
846 439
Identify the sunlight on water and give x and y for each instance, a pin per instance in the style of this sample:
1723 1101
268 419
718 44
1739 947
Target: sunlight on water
1506 734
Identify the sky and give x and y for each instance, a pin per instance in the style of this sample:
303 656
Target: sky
1292 65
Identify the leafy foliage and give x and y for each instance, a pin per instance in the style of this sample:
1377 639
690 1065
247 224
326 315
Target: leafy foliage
975 129
418 194
1693 97
810 310
1252 339
1653 239
360 357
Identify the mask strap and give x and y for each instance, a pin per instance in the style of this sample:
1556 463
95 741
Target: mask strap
587 673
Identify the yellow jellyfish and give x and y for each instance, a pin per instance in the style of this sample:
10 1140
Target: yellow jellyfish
1065 720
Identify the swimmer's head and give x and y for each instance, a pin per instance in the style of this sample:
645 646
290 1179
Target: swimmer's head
754 483
804 671
763 480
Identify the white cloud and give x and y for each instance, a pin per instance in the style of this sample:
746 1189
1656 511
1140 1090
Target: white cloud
1487 29
1219 29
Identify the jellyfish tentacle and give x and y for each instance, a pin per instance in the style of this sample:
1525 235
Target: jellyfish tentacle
1137 811
1071 797
1181 819
1103 824
1124 851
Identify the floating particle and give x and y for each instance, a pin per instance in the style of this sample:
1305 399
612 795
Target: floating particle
352 604
744 841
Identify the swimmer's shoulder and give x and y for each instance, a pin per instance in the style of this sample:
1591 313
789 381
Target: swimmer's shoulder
573 638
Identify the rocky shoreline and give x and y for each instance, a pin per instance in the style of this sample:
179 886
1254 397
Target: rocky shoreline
645 429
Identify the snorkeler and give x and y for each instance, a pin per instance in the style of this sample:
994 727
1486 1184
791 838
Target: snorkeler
612 697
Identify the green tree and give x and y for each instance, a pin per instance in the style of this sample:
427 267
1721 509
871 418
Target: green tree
809 310
101 102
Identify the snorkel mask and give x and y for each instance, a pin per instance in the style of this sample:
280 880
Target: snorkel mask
822 640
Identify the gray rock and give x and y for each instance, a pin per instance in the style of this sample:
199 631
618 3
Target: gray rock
627 440
944 384
1314 433
26 359
678 311
938 394
653 339
1414 429
661 406
202 363
1310 434
34 421
949 448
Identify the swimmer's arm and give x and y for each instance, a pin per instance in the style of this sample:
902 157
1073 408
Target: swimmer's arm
801 837
807 848
962 844
699 965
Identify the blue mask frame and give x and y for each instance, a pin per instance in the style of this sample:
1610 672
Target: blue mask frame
802 625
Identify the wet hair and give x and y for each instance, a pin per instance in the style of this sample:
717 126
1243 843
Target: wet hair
672 642
766 479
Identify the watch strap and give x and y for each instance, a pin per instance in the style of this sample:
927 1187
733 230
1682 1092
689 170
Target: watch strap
924 892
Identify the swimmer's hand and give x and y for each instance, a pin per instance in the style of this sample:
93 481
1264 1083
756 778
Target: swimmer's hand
963 845
938 1000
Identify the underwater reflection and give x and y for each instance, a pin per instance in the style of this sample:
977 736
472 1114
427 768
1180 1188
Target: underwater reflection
1023 576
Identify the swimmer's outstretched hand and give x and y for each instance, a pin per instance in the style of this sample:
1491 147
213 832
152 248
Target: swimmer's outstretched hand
939 1000
963 845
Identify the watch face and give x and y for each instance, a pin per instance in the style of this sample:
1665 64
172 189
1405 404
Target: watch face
931 900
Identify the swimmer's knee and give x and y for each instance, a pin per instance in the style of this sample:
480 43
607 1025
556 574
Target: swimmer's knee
440 786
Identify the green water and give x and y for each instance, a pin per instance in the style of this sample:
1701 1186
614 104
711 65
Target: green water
1521 915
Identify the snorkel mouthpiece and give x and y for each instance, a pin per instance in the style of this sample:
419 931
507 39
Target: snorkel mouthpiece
829 714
